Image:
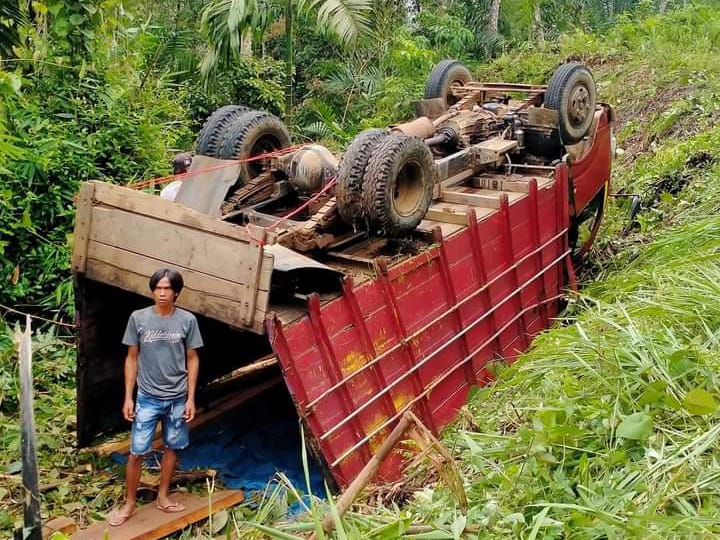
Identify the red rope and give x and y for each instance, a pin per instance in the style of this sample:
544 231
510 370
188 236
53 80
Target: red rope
165 179
307 203
292 213
142 184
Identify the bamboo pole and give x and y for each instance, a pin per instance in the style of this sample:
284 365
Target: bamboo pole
366 474
32 528
447 466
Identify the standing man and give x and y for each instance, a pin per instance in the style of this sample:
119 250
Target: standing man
162 358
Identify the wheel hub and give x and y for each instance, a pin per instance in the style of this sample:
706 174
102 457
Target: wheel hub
407 194
579 105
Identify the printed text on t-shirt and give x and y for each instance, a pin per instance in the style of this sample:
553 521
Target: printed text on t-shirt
161 335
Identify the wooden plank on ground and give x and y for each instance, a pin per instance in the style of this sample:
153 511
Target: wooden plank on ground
206 415
150 523
83 220
145 204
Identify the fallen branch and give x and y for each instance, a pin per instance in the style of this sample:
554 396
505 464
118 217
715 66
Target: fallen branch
367 473
426 441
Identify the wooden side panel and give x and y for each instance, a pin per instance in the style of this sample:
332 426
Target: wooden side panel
83 219
125 235
170 212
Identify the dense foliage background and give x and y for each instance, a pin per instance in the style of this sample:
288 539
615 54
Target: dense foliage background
607 429
109 90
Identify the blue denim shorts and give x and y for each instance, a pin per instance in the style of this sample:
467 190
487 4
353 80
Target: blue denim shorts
150 410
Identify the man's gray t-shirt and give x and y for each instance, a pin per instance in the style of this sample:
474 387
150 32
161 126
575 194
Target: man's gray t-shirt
162 343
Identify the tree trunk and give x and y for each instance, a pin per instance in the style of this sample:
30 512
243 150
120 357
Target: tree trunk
288 62
494 18
539 31
246 43
412 9
609 9
663 6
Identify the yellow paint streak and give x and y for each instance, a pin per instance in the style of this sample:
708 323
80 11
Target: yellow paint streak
353 361
375 441
381 343
401 400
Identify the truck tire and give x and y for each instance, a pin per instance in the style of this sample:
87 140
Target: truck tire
445 75
251 134
349 186
571 91
398 185
211 134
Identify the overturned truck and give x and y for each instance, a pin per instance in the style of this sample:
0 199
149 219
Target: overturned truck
365 286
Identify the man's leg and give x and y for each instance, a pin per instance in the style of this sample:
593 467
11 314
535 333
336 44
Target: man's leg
132 480
176 437
147 414
167 468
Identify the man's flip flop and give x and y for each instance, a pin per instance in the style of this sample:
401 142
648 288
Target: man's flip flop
117 518
171 508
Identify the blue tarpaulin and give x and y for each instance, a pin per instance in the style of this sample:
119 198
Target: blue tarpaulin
249 445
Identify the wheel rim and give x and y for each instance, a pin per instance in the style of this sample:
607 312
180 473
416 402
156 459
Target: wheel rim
588 229
407 194
450 99
578 105
263 145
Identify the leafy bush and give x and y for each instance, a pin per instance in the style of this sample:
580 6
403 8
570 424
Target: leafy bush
71 127
253 82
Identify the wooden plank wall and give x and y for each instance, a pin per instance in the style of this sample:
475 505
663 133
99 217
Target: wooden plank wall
122 236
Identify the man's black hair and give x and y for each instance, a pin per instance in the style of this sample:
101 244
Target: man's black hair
174 277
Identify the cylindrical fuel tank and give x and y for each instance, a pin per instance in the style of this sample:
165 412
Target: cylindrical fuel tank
309 168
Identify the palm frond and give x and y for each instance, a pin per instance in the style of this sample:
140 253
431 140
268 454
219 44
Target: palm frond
222 23
348 19
175 51
318 130
353 76
12 17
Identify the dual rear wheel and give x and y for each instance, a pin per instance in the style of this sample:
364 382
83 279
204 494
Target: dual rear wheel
238 132
571 91
385 182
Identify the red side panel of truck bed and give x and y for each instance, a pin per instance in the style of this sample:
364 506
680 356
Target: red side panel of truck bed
420 334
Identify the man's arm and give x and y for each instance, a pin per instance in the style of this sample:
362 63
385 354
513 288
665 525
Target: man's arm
193 366
130 378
